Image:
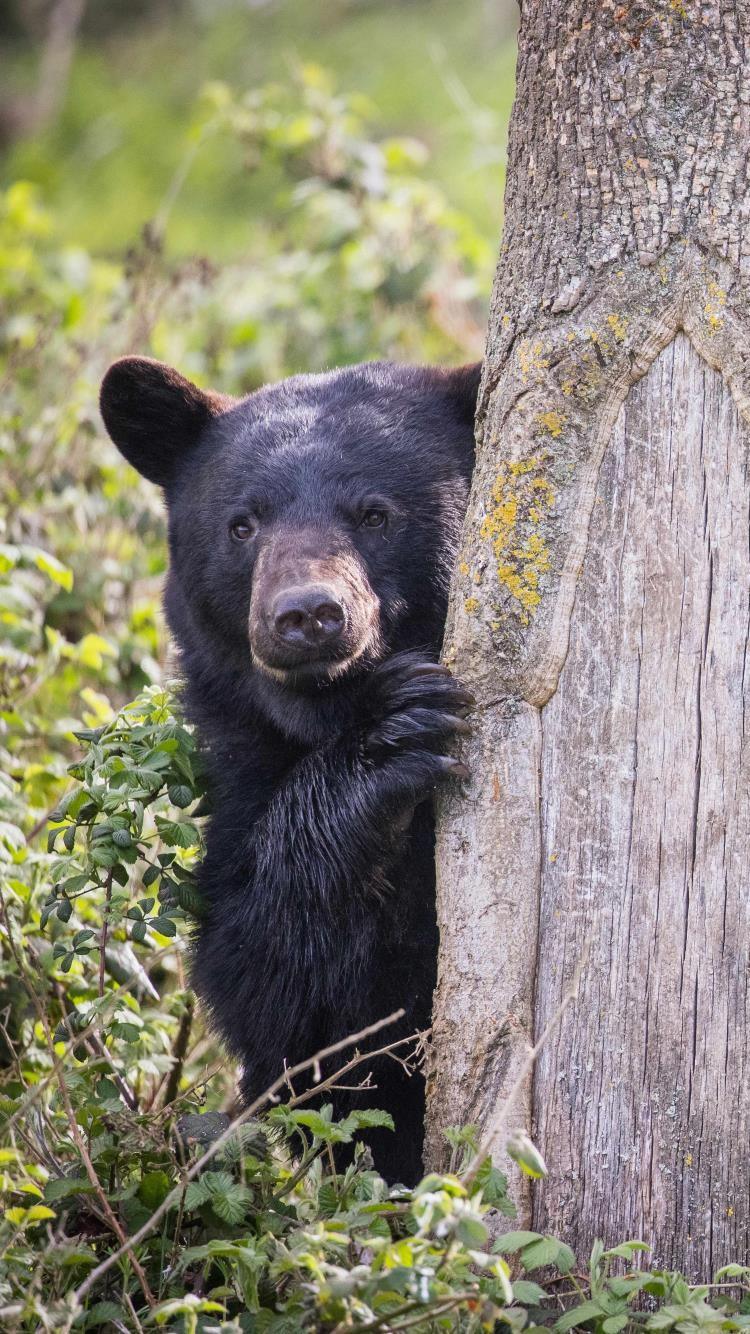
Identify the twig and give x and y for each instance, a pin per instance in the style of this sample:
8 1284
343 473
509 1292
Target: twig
129 1303
218 1143
105 928
179 1052
39 825
423 1313
333 1080
429 1314
177 1228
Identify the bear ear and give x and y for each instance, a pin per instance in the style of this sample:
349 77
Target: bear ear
154 415
462 384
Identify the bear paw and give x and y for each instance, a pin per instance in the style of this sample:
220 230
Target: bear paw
417 709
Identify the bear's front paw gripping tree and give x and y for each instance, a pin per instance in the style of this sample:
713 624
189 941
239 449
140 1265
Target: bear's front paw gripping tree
312 529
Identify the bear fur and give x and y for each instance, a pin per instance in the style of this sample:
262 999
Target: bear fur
312 531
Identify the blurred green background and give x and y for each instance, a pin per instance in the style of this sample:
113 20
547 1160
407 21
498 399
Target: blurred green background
104 137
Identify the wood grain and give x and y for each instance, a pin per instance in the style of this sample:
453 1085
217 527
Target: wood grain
641 1097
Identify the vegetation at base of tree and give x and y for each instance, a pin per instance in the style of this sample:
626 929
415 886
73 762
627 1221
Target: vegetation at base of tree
130 1200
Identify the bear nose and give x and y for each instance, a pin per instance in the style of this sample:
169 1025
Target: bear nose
307 616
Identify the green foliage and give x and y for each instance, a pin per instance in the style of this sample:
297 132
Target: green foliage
432 67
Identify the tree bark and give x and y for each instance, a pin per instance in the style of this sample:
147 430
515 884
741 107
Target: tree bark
600 613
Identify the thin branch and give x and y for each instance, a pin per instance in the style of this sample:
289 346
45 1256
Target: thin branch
219 1143
179 1052
105 928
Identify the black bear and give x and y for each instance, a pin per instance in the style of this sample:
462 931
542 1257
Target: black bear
312 530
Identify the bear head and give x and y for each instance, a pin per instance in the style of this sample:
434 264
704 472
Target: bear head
313 524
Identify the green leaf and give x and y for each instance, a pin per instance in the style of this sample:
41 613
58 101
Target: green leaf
54 569
164 925
153 1189
196 1195
38 1213
59 1188
372 1117
526 1155
494 1186
547 1251
179 794
471 1232
189 899
105 1313
528 1293
579 1315
231 1206
177 833
626 1250
510 1242
128 1032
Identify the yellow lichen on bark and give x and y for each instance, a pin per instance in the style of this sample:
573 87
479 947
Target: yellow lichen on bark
521 498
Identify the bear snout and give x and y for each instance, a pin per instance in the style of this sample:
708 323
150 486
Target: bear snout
310 616
307 617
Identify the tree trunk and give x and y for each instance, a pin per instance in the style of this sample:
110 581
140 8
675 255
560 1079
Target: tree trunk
600 613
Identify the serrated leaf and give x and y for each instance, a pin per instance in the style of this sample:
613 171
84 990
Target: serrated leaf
164 925
232 1206
528 1293
177 833
104 1313
540 1253
471 1232
189 899
626 1250
514 1241
196 1195
179 794
579 1315
61 1187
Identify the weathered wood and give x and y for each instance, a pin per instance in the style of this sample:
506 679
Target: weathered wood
641 1094
609 517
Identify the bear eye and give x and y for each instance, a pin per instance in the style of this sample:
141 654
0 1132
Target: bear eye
242 528
374 518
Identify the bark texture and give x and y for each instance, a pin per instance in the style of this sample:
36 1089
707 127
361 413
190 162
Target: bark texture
600 614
